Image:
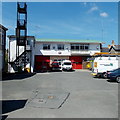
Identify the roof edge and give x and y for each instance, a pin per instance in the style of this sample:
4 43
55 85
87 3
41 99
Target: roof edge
67 40
3 27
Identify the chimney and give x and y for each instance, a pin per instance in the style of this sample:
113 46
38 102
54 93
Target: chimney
109 46
113 42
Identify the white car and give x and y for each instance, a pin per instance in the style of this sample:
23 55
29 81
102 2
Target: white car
66 65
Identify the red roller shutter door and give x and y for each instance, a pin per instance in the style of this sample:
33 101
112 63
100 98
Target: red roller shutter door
76 61
42 61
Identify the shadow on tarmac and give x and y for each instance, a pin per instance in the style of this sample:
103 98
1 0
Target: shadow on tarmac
12 105
4 117
55 71
99 78
69 70
14 76
111 81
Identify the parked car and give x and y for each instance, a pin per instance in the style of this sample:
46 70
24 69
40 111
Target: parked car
114 75
55 66
66 65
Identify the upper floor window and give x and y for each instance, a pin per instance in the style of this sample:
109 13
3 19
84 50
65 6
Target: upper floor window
86 46
78 47
46 46
2 38
75 47
60 47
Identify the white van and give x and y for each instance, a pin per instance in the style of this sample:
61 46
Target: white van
66 65
103 64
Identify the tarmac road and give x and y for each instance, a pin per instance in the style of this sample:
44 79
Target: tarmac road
88 97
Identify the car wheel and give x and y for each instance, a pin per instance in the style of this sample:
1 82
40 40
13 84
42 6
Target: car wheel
118 79
104 75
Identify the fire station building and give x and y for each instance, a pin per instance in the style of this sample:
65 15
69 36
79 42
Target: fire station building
42 52
48 50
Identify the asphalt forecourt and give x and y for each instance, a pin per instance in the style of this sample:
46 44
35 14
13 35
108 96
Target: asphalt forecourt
73 94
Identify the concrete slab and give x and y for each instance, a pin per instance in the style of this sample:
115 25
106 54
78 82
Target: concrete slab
47 99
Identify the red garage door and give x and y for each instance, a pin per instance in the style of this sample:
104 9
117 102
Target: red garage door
42 62
76 61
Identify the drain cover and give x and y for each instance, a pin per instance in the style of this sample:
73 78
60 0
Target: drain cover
51 100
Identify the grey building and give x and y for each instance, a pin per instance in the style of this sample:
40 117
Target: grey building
2 47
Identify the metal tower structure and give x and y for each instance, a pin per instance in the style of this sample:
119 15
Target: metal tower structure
21 32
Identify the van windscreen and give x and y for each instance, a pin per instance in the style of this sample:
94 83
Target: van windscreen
67 63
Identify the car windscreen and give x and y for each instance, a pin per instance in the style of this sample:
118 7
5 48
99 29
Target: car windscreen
67 63
55 64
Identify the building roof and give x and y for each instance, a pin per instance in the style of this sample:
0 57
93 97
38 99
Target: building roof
117 46
68 40
4 28
117 49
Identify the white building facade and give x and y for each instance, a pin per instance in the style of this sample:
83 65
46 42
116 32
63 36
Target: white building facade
12 57
48 50
42 52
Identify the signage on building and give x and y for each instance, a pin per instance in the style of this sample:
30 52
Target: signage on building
59 52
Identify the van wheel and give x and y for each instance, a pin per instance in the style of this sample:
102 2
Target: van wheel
118 79
104 75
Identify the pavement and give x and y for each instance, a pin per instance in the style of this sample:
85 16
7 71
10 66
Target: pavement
73 94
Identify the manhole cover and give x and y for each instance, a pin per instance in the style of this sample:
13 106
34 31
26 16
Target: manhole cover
51 100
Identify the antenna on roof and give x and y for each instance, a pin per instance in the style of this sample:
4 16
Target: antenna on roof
102 28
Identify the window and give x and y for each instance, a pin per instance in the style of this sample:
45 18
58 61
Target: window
72 47
79 47
29 42
75 47
46 46
3 39
60 47
55 63
2 36
86 47
67 63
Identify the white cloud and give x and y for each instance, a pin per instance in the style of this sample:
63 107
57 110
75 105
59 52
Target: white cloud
94 8
85 4
104 14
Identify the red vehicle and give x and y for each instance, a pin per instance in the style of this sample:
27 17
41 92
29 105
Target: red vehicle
55 66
